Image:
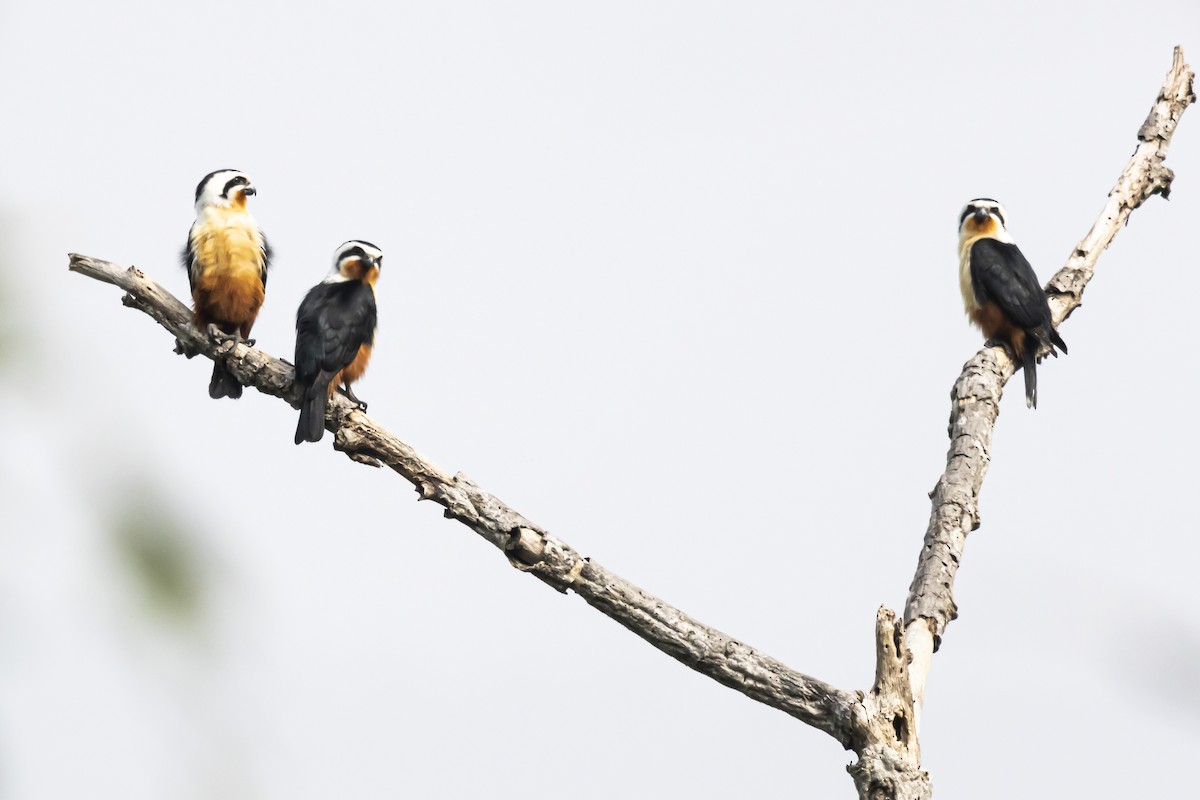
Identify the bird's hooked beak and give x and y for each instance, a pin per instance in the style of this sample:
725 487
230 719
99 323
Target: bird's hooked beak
981 215
249 190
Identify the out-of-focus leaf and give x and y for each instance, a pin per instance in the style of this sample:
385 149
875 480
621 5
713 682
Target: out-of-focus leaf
162 556
8 327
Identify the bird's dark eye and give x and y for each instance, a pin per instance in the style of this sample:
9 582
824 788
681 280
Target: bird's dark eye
968 211
240 180
999 216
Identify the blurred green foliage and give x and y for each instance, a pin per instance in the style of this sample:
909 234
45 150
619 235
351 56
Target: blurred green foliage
14 318
7 309
163 558
5 334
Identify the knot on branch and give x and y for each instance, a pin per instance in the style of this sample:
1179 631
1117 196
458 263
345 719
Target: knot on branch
1161 178
350 441
185 350
546 557
525 547
882 774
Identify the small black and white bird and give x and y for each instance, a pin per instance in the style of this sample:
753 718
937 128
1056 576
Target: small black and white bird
1000 290
335 332
226 257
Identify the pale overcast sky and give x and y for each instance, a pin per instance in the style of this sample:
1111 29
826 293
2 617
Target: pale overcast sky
675 280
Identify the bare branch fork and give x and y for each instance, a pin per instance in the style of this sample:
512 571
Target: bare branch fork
880 725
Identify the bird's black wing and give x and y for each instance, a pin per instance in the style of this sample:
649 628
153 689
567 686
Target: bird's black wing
188 256
334 321
1001 274
268 253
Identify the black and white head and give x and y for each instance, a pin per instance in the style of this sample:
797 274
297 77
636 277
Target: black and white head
356 260
224 188
983 216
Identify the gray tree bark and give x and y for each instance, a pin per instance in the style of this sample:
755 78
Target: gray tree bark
880 725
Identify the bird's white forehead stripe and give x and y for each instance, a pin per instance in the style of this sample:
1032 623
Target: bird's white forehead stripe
371 252
222 178
990 205
343 254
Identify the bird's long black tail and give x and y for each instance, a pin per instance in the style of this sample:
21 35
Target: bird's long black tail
223 384
1030 365
1049 337
312 411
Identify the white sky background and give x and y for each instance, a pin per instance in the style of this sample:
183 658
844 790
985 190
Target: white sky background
676 281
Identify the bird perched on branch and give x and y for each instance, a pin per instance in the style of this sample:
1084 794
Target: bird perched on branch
226 258
335 330
1000 291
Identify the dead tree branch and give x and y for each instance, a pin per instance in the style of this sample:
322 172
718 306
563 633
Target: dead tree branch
976 394
880 725
527 547
889 765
